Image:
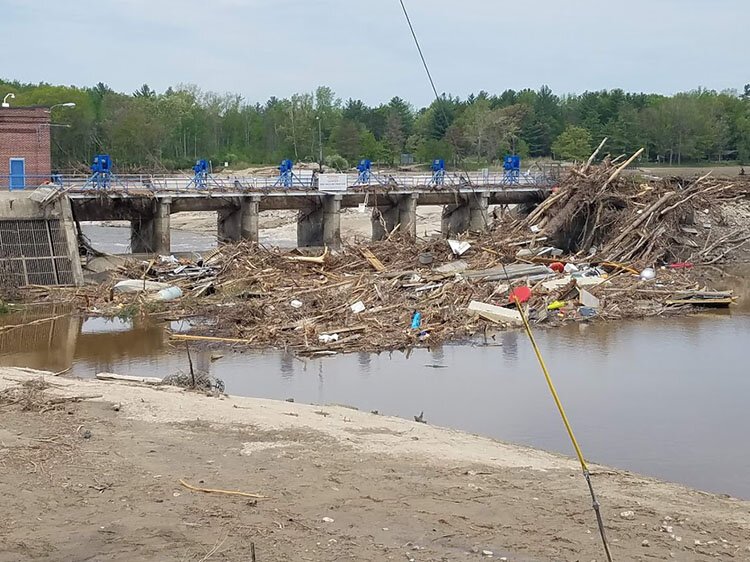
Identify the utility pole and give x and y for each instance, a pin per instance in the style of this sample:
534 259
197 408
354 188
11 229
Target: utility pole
320 144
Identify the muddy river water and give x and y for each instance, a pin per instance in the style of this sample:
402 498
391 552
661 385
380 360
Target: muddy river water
667 397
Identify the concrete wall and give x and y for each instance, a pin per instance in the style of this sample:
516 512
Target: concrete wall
21 242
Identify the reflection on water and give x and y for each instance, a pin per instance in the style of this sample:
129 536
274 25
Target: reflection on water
664 396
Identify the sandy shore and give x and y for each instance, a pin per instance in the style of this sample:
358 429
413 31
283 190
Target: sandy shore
99 480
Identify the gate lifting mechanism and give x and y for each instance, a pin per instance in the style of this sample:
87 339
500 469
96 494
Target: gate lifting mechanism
365 175
438 172
101 172
511 169
287 177
365 172
202 171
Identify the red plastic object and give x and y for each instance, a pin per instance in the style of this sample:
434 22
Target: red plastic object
522 294
681 265
557 267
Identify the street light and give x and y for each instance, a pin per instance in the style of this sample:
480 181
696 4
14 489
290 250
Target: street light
320 143
5 99
66 104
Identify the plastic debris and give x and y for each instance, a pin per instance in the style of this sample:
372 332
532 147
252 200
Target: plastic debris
328 338
139 285
416 320
459 248
648 274
169 294
587 299
521 294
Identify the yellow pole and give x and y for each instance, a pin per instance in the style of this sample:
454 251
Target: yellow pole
568 428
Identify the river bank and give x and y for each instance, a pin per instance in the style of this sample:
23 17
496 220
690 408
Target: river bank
89 479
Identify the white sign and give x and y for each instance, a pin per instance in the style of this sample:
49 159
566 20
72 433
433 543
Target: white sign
332 182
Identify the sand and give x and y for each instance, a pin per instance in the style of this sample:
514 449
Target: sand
99 480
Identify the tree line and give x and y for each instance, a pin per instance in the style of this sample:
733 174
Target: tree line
149 130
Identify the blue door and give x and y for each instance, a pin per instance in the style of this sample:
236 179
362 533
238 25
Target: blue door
17 173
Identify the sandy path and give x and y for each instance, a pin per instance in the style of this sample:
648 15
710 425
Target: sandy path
390 489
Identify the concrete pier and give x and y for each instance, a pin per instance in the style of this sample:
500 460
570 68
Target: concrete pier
161 236
407 215
321 224
398 211
229 224
250 218
150 231
469 214
332 221
239 220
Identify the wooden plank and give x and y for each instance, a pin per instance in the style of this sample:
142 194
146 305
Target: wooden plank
187 337
702 302
127 378
372 259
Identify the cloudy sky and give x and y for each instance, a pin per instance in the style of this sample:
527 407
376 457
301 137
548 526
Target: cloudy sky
363 49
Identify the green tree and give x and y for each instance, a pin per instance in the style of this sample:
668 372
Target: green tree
346 140
144 92
574 143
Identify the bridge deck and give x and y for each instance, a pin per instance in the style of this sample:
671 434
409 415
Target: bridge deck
212 200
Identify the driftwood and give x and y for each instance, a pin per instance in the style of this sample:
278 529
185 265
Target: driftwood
593 156
188 337
645 215
599 212
306 259
223 492
127 378
619 170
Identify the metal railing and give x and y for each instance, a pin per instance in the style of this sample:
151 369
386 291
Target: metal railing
307 181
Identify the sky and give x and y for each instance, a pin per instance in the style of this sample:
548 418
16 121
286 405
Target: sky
363 48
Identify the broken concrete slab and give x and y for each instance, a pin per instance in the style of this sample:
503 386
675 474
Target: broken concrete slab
553 284
452 267
496 314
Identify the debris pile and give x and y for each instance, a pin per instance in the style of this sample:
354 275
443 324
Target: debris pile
602 215
382 298
604 245
196 380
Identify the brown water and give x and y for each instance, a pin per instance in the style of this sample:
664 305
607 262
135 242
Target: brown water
666 397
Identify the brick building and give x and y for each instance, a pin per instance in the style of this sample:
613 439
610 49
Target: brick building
25 159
